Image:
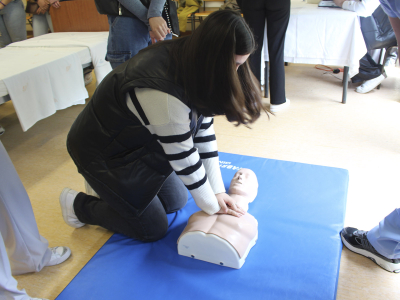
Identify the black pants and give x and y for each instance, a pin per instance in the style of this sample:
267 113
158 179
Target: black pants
276 13
368 69
115 214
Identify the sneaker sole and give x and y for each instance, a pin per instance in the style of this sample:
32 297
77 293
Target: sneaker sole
64 209
390 267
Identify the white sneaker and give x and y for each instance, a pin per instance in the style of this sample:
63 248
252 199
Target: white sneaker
369 85
278 107
58 255
67 199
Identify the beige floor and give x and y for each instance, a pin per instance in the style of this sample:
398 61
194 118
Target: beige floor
361 136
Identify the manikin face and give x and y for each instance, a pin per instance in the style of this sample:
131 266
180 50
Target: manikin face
244 183
240 59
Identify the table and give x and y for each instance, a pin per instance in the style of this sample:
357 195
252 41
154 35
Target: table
319 35
44 74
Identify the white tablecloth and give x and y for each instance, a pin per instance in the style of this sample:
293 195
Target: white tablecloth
44 74
327 36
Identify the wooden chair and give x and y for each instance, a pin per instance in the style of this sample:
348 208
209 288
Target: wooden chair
78 16
203 13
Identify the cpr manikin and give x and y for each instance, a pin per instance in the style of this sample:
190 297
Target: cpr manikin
224 239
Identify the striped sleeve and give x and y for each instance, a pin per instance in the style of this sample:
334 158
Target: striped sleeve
206 143
168 118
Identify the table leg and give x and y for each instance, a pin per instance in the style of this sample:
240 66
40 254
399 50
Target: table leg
345 84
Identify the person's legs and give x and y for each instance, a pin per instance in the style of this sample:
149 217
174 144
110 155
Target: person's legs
127 36
27 250
49 22
385 237
8 284
116 214
381 244
277 14
40 25
5 38
14 19
254 14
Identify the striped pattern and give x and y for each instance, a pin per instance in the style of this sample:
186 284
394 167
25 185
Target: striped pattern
194 160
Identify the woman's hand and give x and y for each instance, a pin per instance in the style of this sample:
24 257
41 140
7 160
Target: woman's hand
55 3
43 6
159 28
228 205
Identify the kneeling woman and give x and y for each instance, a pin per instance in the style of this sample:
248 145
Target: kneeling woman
147 135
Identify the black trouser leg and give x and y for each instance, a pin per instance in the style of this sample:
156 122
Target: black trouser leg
276 14
116 214
277 22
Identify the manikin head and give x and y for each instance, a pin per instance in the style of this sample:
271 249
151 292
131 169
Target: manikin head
245 184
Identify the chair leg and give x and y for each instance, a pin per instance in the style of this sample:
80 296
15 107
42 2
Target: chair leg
266 79
381 67
193 24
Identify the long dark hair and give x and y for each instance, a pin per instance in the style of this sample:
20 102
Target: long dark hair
204 63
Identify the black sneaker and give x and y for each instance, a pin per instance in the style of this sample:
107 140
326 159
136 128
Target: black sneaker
356 241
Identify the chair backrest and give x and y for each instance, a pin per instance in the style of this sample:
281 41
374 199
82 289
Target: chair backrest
78 16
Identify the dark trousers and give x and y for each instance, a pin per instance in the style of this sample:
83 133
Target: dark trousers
368 69
115 214
276 13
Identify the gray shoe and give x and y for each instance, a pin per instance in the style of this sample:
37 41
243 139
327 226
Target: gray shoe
58 255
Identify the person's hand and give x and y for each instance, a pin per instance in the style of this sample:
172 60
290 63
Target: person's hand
41 11
152 37
339 2
159 28
43 6
55 3
228 205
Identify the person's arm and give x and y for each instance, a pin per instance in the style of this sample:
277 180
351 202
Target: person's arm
168 118
206 143
44 6
4 3
137 8
363 8
157 23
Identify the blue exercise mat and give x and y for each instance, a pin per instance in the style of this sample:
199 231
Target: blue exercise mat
300 209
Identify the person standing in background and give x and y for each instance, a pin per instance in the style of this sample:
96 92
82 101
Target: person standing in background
133 26
382 243
371 73
41 21
22 248
12 22
276 14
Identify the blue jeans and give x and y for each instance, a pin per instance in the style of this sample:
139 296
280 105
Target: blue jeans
127 36
385 237
12 23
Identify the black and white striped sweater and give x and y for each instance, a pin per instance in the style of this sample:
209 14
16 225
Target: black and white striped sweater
191 159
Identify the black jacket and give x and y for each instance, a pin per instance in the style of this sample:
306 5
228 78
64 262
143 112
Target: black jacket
108 142
115 8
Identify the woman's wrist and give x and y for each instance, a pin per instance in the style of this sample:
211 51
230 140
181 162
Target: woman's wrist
3 4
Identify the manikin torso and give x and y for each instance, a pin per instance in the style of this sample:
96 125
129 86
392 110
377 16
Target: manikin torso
223 239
